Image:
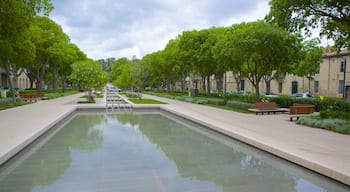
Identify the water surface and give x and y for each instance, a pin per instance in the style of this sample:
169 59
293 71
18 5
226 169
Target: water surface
151 152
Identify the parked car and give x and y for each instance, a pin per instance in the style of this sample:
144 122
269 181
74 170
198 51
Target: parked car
113 89
302 95
269 95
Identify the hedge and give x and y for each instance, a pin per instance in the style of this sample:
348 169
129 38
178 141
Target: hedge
331 104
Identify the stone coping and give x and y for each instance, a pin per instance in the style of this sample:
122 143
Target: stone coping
308 162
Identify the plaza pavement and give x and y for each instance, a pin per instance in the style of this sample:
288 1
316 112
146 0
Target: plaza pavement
323 151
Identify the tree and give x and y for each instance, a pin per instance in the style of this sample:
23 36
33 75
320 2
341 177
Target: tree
45 34
121 73
332 16
263 48
196 47
15 18
170 66
88 74
312 58
62 55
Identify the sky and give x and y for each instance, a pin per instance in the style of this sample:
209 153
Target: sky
126 28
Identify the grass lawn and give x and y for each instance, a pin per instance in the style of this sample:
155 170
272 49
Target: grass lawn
145 101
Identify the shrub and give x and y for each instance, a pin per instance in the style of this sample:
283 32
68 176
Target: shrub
334 114
336 125
240 105
6 103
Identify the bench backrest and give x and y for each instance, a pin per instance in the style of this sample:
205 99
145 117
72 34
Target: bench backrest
265 105
32 95
302 109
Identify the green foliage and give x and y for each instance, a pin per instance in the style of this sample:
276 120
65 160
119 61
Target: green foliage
334 114
240 105
336 125
331 16
246 98
88 74
259 45
127 74
312 59
50 95
6 103
146 101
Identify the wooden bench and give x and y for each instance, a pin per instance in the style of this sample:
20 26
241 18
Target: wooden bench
31 97
267 107
300 110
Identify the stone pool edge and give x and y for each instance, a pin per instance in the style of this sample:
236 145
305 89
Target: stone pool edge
274 150
294 158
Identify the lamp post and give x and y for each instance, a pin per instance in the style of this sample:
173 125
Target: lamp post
344 86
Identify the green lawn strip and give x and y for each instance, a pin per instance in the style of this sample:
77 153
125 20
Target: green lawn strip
11 105
145 101
225 107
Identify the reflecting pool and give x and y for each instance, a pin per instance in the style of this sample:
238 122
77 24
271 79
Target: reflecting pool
150 152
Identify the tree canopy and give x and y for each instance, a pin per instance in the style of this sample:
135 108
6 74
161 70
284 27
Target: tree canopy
332 16
88 74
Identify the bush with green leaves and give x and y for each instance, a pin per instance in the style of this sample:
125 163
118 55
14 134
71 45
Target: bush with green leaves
332 104
336 125
334 114
240 105
6 103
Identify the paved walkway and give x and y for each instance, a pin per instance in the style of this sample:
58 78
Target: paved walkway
320 150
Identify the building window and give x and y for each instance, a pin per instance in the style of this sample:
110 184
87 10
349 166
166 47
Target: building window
316 87
280 87
294 87
342 66
242 85
341 87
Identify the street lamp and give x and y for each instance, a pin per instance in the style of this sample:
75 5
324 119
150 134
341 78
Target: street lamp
343 62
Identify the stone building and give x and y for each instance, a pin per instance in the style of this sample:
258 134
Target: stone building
328 82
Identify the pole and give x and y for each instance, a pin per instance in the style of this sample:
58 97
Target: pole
344 88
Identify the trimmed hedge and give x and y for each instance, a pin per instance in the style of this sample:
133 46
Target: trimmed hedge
336 125
240 105
334 114
332 104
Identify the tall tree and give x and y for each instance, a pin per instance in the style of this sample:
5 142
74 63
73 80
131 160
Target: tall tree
62 55
88 74
312 58
264 48
45 34
332 16
170 68
15 18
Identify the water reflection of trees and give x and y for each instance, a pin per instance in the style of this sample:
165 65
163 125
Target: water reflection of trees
49 162
205 159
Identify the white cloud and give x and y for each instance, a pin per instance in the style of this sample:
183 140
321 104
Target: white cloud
123 28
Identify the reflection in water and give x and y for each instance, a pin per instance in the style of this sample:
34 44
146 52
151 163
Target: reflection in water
49 162
150 152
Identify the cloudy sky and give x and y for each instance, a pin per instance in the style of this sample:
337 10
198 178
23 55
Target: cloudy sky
124 28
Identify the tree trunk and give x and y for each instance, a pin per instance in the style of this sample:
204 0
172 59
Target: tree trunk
203 83
257 92
208 86
268 86
63 83
168 83
238 82
55 79
225 94
183 79
10 79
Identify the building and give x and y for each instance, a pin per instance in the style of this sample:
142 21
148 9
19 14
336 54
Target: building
23 81
331 81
